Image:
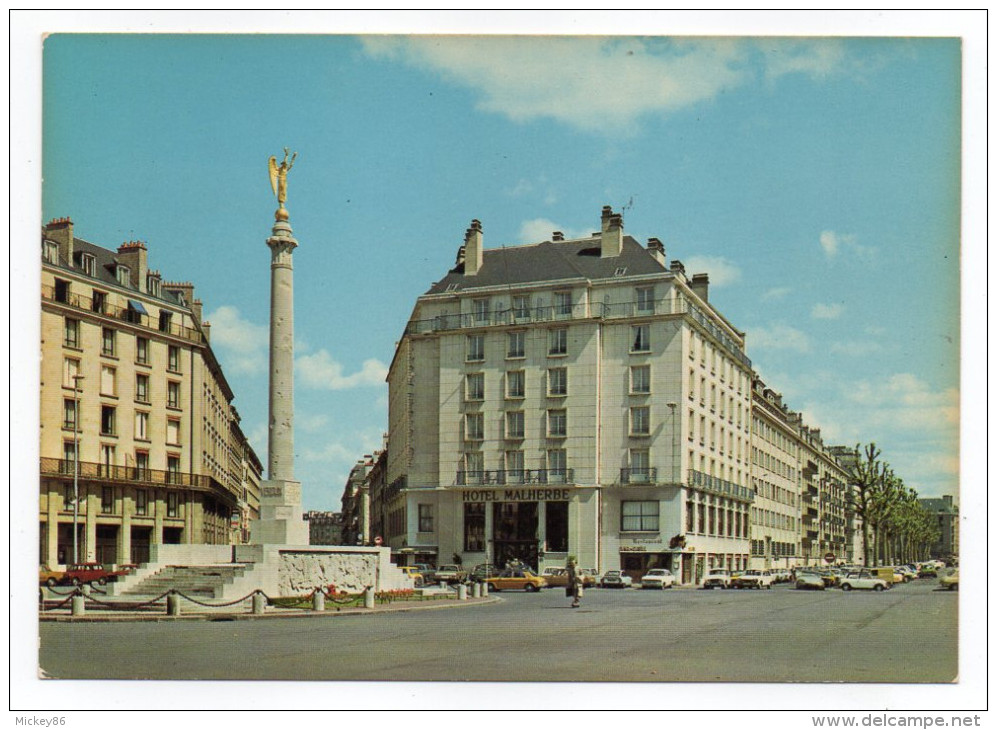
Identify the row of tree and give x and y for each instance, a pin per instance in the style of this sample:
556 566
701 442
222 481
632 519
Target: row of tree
896 528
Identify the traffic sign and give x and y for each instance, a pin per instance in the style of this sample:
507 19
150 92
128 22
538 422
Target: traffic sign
829 558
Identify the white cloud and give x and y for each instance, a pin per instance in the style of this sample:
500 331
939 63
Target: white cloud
778 337
597 83
540 229
855 348
834 243
721 270
827 311
243 343
779 292
829 242
310 422
319 370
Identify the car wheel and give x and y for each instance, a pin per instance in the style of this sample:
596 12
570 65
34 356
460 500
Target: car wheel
101 581
50 582
76 581
491 587
848 586
878 588
530 588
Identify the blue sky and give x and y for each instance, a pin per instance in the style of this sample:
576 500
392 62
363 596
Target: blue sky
815 180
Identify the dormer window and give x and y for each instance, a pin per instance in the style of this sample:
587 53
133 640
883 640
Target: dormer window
89 264
153 285
123 275
50 251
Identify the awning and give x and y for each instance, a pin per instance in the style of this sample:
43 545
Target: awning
418 550
137 306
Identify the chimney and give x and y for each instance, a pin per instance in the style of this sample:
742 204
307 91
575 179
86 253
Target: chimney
184 288
461 255
677 267
612 233
657 250
557 236
60 230
196 309
473 252
135 256
206 327
700 286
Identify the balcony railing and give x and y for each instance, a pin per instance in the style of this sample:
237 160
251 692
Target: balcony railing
123 314
515 476
90 470
708 483
647 475
582 310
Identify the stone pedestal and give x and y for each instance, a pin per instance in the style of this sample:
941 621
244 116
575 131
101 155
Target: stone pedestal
280 520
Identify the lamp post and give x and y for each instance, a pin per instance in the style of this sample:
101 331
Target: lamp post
673 407
76 466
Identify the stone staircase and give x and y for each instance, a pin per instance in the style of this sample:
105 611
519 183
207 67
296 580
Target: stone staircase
196 581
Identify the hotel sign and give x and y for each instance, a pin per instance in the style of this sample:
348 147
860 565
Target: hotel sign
517 495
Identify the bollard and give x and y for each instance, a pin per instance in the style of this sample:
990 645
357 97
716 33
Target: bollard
172 604
87 589
476 591
368 597
318 601
259 603
484 590
78 607
462 592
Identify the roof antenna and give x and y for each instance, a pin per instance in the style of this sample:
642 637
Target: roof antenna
628 206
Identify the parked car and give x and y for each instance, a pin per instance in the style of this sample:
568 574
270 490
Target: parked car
89 573
753 579
809 581
590 577
49 577
449 574
907 572
616 579
425 570
555 577
516 579
927 570
863 580
717 578
412 572
660 578
830 578
780 576
950 580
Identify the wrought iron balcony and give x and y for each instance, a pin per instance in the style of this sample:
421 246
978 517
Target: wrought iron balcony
647 475
95 471
493 477
715 485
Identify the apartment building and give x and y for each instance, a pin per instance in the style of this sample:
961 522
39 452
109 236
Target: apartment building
946 515
355 509
570 397
139 443
824 488
324 528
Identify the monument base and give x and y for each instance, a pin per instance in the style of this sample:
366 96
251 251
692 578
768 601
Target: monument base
280 520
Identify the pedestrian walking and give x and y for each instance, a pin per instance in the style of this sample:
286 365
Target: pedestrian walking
574 588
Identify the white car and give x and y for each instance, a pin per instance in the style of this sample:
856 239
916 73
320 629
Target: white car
658 578
717 578
754 579
616 579
863 580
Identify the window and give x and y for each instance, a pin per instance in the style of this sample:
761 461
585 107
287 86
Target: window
99 302
521 307
558 342
62 291
106 458
562 303
173 359
645 299
556 526
70 371
640 379
640 465
640 421
173 472
50 251
690 516
557 465
69 413
172 503
425 518
141 425
123 275
474 465
89 264
474 386
641 338
172 431
142 350
71 333
515 425
515 384
474 427
557 423
475 348
153 285
142 388
557 381
639 516
108 380
107 500
481 310
514 466
107 342
173 394
107 420
142 498
474 527
517 344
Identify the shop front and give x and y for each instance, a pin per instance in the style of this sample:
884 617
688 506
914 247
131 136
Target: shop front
636 560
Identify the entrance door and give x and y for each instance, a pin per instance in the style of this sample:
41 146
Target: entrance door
514 533
107 544
141 537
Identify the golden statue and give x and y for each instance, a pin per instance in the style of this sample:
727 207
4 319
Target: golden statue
278 175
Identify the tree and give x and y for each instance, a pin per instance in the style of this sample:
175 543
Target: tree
867 479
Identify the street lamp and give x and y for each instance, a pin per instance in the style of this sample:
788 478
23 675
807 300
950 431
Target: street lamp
76 466
674 409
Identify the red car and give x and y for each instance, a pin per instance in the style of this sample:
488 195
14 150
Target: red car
82 573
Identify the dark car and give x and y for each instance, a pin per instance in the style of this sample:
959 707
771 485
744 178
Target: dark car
89 573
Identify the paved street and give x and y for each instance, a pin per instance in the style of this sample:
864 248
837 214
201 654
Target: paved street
908 634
